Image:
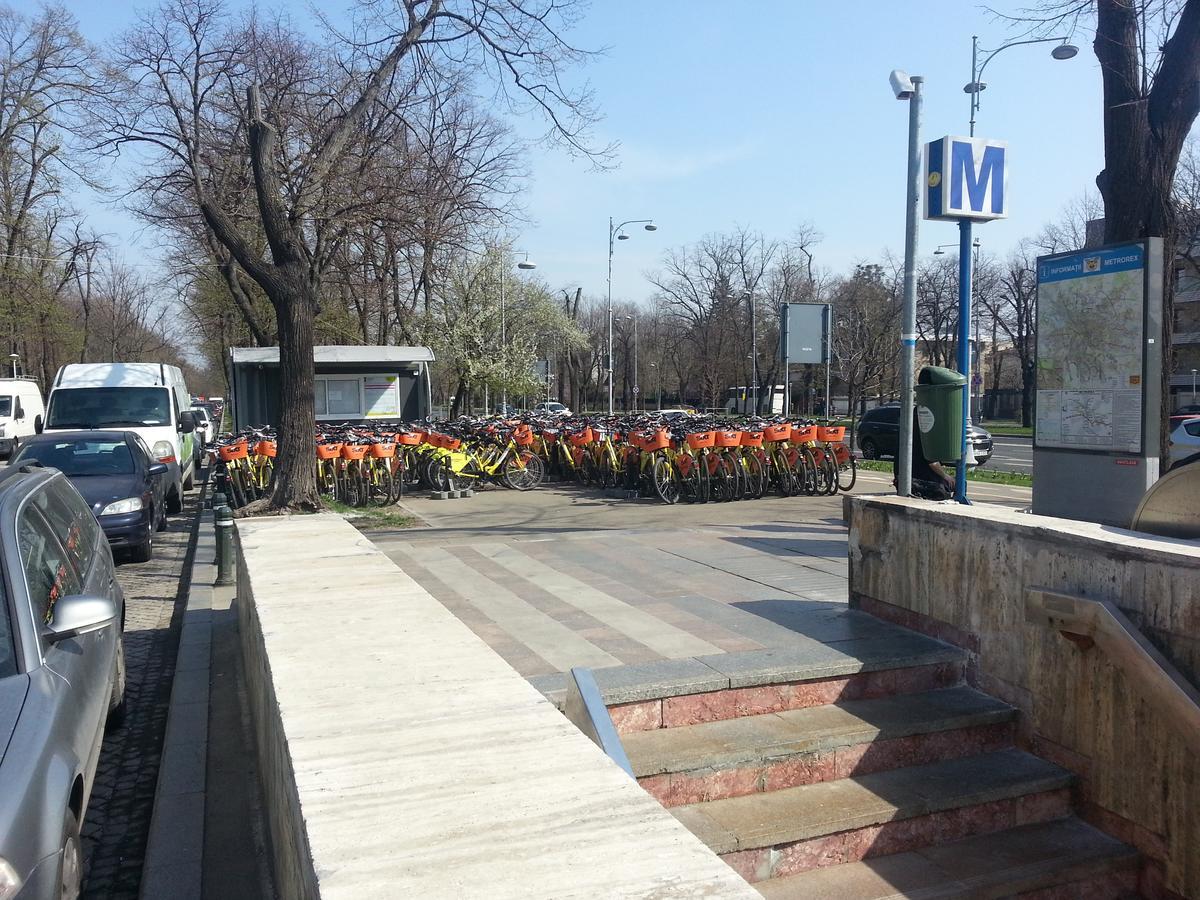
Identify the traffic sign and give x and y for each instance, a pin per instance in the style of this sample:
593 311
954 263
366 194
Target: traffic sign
636 390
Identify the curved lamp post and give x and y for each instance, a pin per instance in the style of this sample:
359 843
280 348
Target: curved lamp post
523 264
615 234
1064 50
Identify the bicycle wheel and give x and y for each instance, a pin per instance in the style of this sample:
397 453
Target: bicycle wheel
781 475
666 481
847 474
755 472
237 486
379 484
831 474
524 473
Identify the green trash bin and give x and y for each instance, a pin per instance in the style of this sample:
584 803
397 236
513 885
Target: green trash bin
939 401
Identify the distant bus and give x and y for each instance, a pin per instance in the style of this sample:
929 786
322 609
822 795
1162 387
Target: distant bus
741 400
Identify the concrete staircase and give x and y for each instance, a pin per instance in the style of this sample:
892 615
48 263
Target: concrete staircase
896 781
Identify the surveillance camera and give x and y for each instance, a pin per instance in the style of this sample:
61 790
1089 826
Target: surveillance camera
902 85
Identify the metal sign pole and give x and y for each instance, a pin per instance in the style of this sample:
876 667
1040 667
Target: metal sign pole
828 355
908 319
787 362
964 351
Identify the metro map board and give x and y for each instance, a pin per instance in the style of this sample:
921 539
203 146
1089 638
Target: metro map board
1090 366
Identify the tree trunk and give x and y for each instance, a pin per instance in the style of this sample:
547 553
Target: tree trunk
295 475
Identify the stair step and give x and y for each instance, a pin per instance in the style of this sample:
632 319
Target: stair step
1017 861
778 833
726 758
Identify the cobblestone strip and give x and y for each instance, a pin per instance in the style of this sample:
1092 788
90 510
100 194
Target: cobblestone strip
118 815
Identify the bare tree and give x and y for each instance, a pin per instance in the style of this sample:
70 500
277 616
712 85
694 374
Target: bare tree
308 142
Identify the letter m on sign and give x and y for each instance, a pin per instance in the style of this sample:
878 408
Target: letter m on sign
966 179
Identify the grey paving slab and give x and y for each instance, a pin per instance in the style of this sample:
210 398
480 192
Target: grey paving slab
807 658
178 835
665 678
183 767
179 881
191 686
188 724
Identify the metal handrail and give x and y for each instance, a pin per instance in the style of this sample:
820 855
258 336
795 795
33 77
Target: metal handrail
1156 680
585 709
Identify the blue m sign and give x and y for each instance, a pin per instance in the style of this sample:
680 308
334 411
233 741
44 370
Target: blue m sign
965 178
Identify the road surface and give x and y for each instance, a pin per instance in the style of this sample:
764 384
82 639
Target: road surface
1011 454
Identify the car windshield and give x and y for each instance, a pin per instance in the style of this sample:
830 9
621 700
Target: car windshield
79 457
102 407
5 406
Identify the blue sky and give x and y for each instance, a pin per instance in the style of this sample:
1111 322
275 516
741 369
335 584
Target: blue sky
775 113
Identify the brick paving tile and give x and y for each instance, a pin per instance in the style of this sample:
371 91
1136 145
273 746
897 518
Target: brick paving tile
118 814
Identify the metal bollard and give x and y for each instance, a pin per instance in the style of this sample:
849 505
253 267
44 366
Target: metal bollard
224 522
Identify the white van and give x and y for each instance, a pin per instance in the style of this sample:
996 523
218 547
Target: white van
149 399
21 412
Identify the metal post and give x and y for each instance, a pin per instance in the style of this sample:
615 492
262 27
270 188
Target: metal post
637 388
964 349
223 517
828 355
503 336
908 318
610 317
787 362
974 81
753 355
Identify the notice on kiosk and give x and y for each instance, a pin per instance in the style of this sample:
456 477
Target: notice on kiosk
381 394
1091 307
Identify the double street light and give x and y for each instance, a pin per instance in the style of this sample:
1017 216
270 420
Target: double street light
1064 50
615 234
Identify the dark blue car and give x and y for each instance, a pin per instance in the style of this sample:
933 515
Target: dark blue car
116 474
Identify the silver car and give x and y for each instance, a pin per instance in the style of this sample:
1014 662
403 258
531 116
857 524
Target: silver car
62 676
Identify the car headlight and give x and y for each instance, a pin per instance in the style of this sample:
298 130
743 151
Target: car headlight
128 505
10 881
164 451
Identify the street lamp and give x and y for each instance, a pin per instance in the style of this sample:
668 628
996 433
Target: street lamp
523 264
1193 385
753 357
13 357
1065 50
906 87
658 383
636 389
615 233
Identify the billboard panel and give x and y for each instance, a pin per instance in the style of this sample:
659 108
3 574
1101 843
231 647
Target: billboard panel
1091 366
803 332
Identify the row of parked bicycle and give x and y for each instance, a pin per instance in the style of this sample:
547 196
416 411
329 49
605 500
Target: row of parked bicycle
694 459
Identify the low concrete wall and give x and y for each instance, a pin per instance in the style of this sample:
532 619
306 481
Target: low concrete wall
401 757
960 574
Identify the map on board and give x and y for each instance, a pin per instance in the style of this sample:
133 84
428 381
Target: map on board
1090 350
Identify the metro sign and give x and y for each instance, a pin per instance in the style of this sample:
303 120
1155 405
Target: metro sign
966 178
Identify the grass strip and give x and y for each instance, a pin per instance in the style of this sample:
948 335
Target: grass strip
370 517
987 476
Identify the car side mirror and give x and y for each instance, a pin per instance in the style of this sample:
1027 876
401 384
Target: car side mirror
187 422
157 469
79 614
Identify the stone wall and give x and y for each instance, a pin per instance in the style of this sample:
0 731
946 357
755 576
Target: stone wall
401 757
960 573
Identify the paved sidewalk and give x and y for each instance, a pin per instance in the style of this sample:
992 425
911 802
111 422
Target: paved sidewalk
550 601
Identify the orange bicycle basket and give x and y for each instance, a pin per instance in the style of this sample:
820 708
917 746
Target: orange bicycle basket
408 440
354 451
702 439
727 438
779 432
523 438
658 440
383 451
752 439
801 434
265 448
329 451
433 439
831 434
579 438
450 443
230 452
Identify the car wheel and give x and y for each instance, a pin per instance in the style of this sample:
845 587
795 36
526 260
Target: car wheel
175 500
190 481
869 450
144 551
70 863
116 703
160 522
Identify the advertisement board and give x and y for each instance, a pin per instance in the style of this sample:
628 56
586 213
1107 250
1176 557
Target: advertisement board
1091 352
803 333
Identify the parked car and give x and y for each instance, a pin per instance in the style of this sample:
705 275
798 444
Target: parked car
21 412
117 476
672 414
878 435
148 398
1184 432
1191 409
205 432
552 407
62 677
